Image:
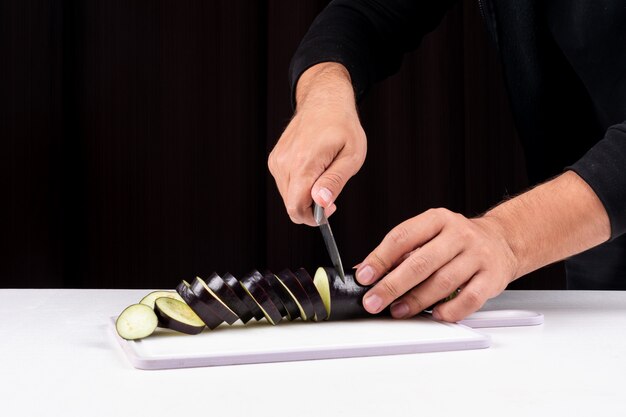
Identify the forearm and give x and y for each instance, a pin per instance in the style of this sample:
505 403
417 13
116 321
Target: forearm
324 84
552 221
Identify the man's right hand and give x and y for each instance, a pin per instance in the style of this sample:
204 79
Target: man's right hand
323 146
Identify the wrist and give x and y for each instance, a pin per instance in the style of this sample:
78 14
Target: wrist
327 83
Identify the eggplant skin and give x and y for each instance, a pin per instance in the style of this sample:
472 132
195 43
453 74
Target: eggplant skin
228 297
208 316
252 282
234 285
314 296
200 289
346 299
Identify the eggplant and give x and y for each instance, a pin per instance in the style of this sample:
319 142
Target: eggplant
151 298
207 296
251 283
341 300
136 322
264 283
208 316
233 284
288 294
293 312
228 297
293 286
314 296
177 315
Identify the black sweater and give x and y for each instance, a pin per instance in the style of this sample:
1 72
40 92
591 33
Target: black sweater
564 63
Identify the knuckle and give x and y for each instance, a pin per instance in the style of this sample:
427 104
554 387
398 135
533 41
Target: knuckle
442 212
449 315
398 235
414 301
465 233
271 162
301 159
474 298
418 264
390 288
294 212
334 179
445 283
384 266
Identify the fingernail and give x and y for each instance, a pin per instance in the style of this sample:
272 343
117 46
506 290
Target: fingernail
436 315
399 310
356 266
326 195
366 275
372 303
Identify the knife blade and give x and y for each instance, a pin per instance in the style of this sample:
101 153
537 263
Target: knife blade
329 239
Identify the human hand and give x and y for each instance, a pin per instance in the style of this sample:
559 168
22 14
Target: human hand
323 146
429 257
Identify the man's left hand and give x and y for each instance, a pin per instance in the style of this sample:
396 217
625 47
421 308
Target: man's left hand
427 258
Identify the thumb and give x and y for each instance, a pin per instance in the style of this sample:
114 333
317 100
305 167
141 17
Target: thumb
328 186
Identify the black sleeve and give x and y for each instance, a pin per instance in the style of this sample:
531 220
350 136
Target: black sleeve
369 37
603 167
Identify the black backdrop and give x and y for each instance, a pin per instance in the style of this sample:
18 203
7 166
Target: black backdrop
134 138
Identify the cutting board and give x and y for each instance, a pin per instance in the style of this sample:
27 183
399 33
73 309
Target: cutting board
260 342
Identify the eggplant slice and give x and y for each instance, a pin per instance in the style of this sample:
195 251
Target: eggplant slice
136 322
228 297
293 286
314 296
177 315
293 312
234 284
207 296
151 298
251 284
208 316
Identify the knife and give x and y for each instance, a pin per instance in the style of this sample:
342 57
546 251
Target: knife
329 240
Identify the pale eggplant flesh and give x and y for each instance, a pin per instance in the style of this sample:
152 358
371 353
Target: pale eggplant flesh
177 315
314 296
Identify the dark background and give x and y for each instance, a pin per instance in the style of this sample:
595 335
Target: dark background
134 138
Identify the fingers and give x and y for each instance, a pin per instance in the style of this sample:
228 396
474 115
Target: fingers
298 202
438 286
327 187
415 269
471 298
400 240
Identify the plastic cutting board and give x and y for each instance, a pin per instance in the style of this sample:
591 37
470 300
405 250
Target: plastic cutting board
260 342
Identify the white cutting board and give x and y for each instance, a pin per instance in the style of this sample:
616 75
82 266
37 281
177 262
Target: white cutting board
260 342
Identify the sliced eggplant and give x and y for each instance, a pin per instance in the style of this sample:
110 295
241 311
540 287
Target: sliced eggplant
251 284
228 297
136 322
263 282
151 298
207 296
314 296
293 312
208 316
291 282
341 300
177 315
233 284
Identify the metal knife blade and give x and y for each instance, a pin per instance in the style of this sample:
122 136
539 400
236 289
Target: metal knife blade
329 239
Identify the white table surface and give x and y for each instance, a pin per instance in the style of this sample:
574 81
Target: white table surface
57 358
